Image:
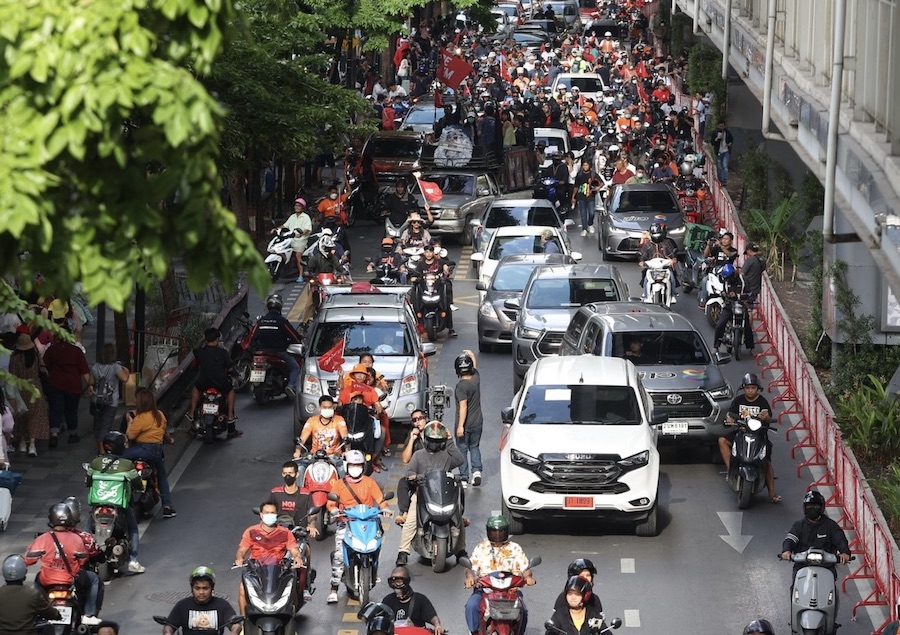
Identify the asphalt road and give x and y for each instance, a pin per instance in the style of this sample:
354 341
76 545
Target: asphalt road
711 570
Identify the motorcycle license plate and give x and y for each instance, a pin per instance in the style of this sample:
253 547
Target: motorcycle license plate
579 502
257 376
675 427
65 613
210 408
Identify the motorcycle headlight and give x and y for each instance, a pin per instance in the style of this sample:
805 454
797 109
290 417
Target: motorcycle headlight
439 509
814 559
409 386
526 333
635 460
723 392
524 460
660 275
487 310
273 607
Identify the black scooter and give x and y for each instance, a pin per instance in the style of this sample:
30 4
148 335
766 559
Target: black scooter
431 304
439 518
596 625
749 459
360 431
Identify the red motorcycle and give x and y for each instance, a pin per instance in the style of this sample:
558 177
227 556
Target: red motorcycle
691 205
319 471
269 374
241 353
210 417
502 608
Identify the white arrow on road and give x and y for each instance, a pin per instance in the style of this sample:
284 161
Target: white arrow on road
732 522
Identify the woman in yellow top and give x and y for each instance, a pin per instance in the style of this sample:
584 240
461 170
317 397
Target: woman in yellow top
147 433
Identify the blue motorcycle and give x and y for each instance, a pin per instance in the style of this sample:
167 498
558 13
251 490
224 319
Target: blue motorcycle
362 548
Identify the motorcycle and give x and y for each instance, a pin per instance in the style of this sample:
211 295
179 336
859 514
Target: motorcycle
749 459
691 274
63 598
431 304
715 301
658 272
145 500
814 594
242 359
269 374
361 548
548 188
210 417
235 619
438 398
733 338
271 591
109 519
360 431
400 627
502 610
439 518
595 625
385 274
364 202
279 252
317 473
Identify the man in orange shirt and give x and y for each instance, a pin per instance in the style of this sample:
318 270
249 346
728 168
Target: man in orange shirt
266 543
331 205
326 429
352 490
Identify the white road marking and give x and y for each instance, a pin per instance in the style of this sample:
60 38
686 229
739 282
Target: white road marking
732 522
631 618
183 463
627 565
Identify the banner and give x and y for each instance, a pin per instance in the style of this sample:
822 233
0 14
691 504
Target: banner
453 70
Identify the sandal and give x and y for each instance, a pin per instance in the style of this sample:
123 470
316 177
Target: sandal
775 499
386 452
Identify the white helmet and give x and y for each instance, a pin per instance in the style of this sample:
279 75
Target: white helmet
326 243
354 457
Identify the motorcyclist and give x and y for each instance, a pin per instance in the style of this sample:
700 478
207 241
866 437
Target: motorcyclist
815 531
20 605
215 367
399 204
409 606
111 462
733 289
560 171
659 246
202 601
759 627
354 489
396 263
274 333
495 553
438 454
325 259
718 251
63 555
94 554
415 234
584 569
578 616
431 263
327 430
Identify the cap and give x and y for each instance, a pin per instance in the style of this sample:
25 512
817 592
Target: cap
751 247
359 368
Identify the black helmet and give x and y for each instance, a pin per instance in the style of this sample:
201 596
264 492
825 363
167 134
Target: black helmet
59 514
380 624
581 564
203 573
759 626
750 379
74 506
463 365
813 504
581 586
14 568
274 302
115 443
436 436
497 528
657 232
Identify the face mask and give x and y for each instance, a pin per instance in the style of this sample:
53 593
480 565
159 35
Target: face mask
269 519
355 471
812 512
289 480
332 196
327 413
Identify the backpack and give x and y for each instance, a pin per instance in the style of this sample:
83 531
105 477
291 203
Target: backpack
103 389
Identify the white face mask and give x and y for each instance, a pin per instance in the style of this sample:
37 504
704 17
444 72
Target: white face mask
327 413
355 471
332 196
269 519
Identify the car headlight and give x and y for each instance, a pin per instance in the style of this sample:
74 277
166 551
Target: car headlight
525 333
635 460
523 460
677 230
723 392
449 212
616 230
409 386
312 386
487 310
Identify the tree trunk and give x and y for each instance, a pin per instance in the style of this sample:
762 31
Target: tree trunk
237 188
123 345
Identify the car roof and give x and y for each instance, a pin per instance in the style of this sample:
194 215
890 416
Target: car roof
638 316
586 270
520 202
550 132
361 314
522 230
583 369
395 134
568 75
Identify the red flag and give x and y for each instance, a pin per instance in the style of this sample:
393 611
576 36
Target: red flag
504 71
398 54
438 99
452 70
332 359
431 191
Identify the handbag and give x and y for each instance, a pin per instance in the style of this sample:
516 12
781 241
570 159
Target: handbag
10 480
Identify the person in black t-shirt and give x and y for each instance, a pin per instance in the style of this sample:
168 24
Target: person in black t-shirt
215 367
290 499
201 613
408 605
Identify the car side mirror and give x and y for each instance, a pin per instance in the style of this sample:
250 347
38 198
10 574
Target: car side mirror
658 417
506 415
428 349
475 222
480 286
484 191
513 303
477 257
576 256
722 358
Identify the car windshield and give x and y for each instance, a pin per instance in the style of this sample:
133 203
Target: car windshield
509 10
380 338
589 84
580 404
514 215
645 201
506 245
553 293
667 348
403 148
453 183
423 115
512 277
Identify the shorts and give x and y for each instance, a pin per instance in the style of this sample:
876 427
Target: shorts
298 244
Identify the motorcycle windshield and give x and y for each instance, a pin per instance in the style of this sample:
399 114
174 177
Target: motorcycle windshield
267 581
439 493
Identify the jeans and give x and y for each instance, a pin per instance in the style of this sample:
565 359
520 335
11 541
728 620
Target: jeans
293 368
103 422
468 445
586 212
63 409
473 612
153 454
722 160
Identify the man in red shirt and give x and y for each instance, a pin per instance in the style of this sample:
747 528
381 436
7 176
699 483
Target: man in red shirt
67 368
266 543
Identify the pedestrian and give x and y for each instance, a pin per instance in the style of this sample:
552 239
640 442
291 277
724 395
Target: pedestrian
752 269
147 433
33 420
584 196
722 140
67 372
469 420
108 373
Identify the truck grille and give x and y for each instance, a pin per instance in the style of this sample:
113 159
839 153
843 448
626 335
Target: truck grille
693 404
549 343
579 474
333 389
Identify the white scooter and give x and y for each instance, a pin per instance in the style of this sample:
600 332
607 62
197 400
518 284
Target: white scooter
659 270
715 289
279 251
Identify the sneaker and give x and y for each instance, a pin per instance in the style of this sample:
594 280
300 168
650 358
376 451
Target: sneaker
135 567
32 451
591 230
402 559
74 438
674 299
453 333
583 232
453 307
332 597
476 478
307 596
169 512
90 620
23 447
300 280
464 483
189 417
54 439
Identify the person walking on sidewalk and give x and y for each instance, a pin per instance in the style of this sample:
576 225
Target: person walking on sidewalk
67 370
33 422
469 420
722 140
108 374
147 433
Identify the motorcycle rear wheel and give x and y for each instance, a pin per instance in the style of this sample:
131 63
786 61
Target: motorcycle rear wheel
439 548
712 313
260 395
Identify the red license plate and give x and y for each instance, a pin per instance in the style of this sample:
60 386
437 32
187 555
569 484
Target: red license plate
580 502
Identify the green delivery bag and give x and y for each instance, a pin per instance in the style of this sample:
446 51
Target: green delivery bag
109 489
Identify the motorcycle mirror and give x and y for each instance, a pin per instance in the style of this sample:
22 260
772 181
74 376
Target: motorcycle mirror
333 497
245 315
549 626
754 424
616 622
534 562
368 259
388 496
235 619
159 619
255 511
314 510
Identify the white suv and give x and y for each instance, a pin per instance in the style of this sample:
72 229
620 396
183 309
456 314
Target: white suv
580 440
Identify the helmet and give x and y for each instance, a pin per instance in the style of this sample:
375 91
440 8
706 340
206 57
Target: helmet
759 626
115 443
387 241
463 365
380 624
497 528
74 506
274 302
436 436
657 232
686 168
354 457
750 379
14 568
203 573
813 504
581 564
326 244
727 270
59 514
581 586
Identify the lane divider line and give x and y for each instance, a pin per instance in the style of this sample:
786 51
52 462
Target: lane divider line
627 565
631 618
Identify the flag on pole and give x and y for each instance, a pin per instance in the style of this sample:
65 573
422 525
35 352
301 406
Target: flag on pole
452 70
431 191
332 359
